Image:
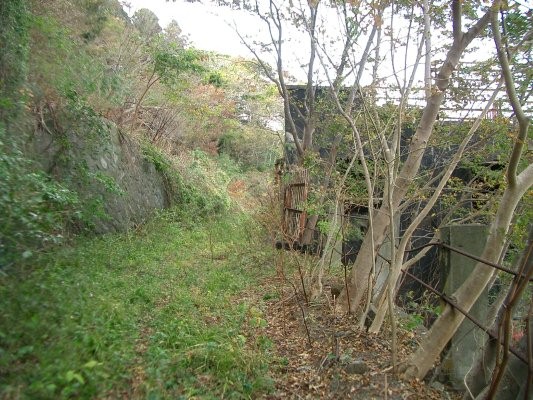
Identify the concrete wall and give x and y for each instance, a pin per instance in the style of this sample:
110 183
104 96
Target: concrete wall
468 341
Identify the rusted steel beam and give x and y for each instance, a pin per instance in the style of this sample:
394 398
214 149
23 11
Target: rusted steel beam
296 184
464 253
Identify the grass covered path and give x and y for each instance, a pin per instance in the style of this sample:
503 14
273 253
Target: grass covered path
155 314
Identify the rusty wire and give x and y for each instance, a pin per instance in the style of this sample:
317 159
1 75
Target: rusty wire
475 321
464 253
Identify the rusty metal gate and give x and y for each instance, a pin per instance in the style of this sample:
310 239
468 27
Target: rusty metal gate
294 192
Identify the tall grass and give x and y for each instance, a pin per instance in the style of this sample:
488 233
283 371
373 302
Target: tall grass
150 314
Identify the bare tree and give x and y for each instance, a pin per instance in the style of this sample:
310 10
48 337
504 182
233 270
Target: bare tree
303 112
517 184
408 170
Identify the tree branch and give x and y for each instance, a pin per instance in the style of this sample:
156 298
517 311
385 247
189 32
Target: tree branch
457 20
523 121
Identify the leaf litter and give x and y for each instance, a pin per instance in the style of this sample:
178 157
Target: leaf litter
342 361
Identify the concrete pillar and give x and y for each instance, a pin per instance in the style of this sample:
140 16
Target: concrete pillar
468 341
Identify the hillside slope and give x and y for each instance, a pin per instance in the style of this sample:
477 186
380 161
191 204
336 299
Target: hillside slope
105 119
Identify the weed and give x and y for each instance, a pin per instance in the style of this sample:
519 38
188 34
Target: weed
145 314
34 207
422 311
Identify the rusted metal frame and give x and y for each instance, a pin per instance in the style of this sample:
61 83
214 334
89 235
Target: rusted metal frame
464 253
286 215
452 303
295 192
303 215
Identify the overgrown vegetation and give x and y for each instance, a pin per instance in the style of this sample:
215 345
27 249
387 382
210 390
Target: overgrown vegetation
200 184
151 314
14 20
94 75
113 117
35 209
154 312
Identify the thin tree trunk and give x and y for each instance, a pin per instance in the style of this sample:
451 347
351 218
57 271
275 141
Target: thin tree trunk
517 185
445 326
358 285
151 81
505 314
422 214
427 42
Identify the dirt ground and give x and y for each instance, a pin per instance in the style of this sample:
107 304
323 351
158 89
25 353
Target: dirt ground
339 361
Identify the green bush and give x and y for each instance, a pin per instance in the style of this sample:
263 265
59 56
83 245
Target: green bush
200 186
34 208
152 154
81 117
210 183
14 42
252 148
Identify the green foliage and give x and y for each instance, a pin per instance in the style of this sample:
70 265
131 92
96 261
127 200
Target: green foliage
96 12
422 311
145 315
14 42
518 21
413 321
92 188
323 226
34 208
86 63
64 73
171 61
178 191
58 81
215 78
251 148
315 204
480 175
161 162
200 186
108 182
210 184
79 116
356 229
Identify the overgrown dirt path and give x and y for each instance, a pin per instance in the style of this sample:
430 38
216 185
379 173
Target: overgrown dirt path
327 357
184 307
161 313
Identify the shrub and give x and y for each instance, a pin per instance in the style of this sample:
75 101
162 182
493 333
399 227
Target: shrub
34 208
196 184
253 148
14 17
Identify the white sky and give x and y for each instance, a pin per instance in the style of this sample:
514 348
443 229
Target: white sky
210 28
